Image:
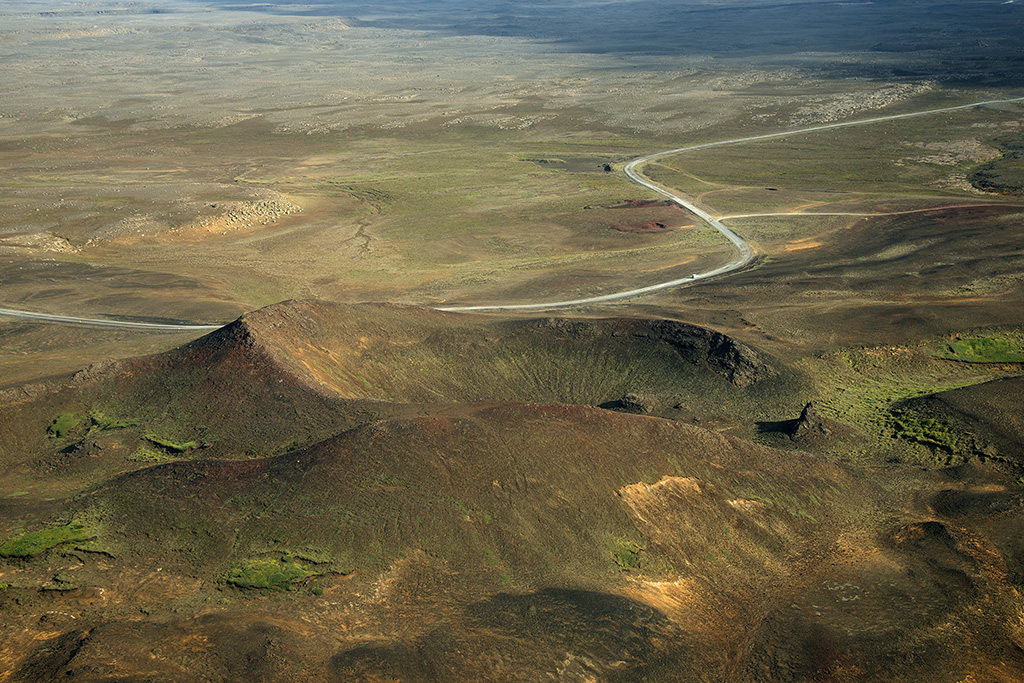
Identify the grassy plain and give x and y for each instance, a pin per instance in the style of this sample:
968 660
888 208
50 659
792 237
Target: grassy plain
434 213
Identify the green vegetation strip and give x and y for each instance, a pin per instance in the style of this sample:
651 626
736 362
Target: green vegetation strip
102 423
67 422
170 444
268 574
37 542
626 554
924 430
860 386
992 347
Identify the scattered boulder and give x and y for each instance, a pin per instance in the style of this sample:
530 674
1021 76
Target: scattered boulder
84 448
635 403
631 403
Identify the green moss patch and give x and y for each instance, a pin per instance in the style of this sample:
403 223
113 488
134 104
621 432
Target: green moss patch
928 431
143 454
102 423
862 387
626 554
63 424
67 422
986 348
268 574
38 542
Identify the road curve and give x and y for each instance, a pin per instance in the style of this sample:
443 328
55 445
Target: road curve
744 252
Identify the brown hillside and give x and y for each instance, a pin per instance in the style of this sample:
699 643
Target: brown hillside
223 393
299 371
507 542
305 494
411 354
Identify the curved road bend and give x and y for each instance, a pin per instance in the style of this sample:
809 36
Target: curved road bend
744 252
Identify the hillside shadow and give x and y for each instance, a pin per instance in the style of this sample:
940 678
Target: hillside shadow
976 43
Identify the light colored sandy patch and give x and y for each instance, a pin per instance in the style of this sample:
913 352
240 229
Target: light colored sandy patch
752 507
241 215
701 613
667 485
23 243
649 502
901 250
676 597
802 244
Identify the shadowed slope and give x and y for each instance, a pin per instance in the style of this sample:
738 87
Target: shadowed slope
983 420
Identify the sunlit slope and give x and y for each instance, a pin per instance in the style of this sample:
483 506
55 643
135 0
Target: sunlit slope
476 482
413 354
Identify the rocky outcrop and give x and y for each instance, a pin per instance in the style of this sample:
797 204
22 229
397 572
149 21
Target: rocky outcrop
635 403
808 424
240 215
728 357
30 242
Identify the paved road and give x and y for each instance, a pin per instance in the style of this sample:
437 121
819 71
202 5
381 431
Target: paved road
99 322
876 214
744 252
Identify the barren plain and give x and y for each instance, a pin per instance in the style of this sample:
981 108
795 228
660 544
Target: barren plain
807 470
